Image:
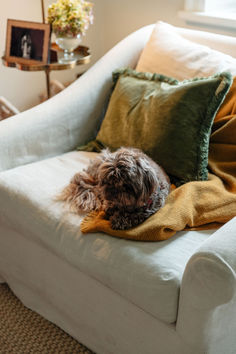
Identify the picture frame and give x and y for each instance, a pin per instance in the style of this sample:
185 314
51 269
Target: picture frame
27 42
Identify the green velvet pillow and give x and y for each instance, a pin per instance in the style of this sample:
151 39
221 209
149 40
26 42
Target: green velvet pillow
169 120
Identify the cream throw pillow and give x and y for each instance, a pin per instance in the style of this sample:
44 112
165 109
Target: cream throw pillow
168 53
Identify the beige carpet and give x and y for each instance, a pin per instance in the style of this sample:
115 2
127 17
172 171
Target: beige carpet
23 331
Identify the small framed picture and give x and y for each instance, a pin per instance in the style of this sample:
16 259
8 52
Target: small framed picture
27 42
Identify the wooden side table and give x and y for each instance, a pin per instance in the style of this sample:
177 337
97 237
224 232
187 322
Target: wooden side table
81 56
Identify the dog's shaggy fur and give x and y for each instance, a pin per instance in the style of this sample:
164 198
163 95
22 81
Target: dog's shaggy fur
127 185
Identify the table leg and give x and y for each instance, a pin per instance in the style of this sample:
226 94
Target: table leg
43 13
47 72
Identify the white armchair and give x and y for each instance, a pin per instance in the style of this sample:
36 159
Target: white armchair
113 295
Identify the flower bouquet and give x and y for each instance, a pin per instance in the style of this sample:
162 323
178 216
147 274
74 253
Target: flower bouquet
70 19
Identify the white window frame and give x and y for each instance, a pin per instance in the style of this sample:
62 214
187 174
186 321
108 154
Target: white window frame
199 12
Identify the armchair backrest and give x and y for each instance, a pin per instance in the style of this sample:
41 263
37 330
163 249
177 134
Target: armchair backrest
222 43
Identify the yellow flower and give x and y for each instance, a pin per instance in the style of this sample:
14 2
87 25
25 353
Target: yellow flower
70 16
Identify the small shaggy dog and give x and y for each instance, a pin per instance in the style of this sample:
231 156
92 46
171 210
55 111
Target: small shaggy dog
127 185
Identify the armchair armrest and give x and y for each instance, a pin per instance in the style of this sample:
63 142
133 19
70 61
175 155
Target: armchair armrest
207 305
70 118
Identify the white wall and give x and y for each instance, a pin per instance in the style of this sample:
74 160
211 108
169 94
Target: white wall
23 88
122 17
114 19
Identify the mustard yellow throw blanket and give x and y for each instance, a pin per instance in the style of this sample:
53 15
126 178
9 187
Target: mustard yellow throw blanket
194 205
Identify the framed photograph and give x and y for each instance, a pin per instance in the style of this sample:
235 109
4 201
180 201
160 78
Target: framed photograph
27 42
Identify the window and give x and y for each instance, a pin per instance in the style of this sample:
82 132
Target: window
211 12
207 6
227 6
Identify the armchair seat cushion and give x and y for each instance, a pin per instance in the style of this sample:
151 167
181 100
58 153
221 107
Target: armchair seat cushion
147 274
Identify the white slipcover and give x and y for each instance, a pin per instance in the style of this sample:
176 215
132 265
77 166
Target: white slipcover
147 274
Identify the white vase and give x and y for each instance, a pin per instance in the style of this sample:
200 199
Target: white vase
68 44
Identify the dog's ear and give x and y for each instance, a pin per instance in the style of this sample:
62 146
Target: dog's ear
149 176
